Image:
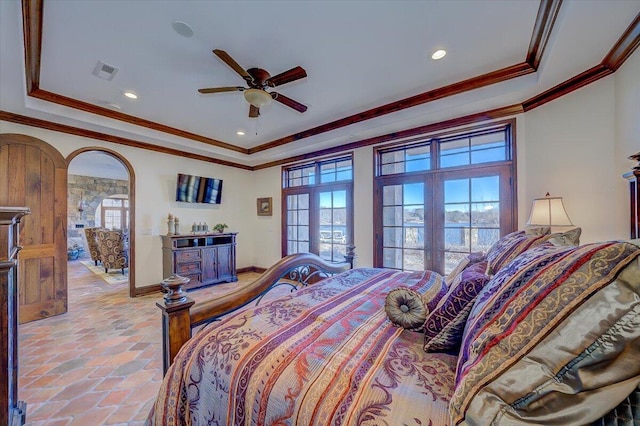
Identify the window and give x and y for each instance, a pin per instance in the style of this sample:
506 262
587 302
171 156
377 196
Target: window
317 205
440 198
115 213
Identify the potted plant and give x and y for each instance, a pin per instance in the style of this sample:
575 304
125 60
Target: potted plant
220 227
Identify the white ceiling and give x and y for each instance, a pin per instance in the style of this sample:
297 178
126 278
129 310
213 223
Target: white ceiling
358 55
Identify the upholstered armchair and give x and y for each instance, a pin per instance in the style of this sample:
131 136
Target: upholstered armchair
113 249
92 244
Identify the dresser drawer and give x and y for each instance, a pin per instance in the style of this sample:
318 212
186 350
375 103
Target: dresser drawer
188 268
187 256
195 279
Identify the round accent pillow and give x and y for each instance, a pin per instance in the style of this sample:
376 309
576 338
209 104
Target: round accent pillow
405 308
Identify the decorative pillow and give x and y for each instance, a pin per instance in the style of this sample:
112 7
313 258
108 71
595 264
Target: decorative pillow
444 325
469 260
552 339
509 247
405 308
568 238
537 230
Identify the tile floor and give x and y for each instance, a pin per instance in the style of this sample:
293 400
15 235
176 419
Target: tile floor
99 363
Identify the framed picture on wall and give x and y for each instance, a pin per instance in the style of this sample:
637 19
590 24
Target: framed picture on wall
264 206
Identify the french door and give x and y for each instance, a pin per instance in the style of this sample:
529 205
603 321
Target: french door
318 220
433 220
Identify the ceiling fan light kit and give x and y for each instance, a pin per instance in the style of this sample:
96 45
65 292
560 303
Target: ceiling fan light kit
258 98
258 81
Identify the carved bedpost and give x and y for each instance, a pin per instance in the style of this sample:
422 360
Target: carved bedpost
350 256
176 321
634 192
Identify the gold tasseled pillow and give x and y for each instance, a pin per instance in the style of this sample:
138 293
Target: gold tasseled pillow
405 308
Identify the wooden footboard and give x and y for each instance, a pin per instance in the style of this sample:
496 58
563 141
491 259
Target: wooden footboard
180 314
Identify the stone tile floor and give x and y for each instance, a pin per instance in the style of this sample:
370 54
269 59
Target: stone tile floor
101 362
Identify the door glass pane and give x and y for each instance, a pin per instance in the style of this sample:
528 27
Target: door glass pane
403 224
297 223
333 232
414 237
413 260
392 258
472 217
392 236
392 195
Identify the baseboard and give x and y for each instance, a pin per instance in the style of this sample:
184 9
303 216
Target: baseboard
143 291
256 269
157 288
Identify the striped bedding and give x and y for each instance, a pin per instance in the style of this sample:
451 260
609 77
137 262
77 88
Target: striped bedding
325 355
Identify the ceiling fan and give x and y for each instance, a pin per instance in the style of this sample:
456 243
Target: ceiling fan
258 80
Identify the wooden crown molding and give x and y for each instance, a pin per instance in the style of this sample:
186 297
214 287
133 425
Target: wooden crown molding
429 128
568 86
77 131
626 45
547 13
422 98
545 20
116 115
32 33
33 22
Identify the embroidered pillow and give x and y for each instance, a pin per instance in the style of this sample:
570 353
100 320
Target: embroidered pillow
469 260
444 325
405 308
509 247
537 230
568 238
565 318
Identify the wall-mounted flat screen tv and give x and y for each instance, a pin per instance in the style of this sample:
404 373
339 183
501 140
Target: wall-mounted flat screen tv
196 189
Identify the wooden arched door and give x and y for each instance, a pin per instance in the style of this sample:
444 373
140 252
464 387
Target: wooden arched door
34 174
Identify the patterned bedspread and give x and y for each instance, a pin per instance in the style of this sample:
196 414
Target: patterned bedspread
326 355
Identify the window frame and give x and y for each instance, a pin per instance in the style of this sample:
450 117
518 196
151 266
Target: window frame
314 190
123 208
434 177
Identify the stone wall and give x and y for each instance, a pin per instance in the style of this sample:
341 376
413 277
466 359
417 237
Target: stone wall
90 191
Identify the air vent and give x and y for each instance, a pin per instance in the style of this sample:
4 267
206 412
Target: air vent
105 71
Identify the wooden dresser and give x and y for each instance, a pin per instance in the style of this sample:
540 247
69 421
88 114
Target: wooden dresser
13 411
204 258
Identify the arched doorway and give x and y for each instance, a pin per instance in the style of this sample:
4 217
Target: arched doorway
99 160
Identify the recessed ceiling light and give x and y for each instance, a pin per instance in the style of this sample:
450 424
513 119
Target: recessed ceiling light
438 54
131 95
113 105
182 28
240 133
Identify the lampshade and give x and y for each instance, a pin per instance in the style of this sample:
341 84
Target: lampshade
256 97
549 211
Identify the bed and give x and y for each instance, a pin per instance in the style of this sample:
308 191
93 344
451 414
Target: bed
537 330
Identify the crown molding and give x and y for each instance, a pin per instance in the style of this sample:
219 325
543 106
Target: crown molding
33 24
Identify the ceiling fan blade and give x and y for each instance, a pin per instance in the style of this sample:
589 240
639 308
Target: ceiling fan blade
286 77
254 111
221 89
288 102
233 64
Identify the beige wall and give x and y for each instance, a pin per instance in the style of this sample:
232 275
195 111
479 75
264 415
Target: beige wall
574 147
569 151
155 176
627 116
